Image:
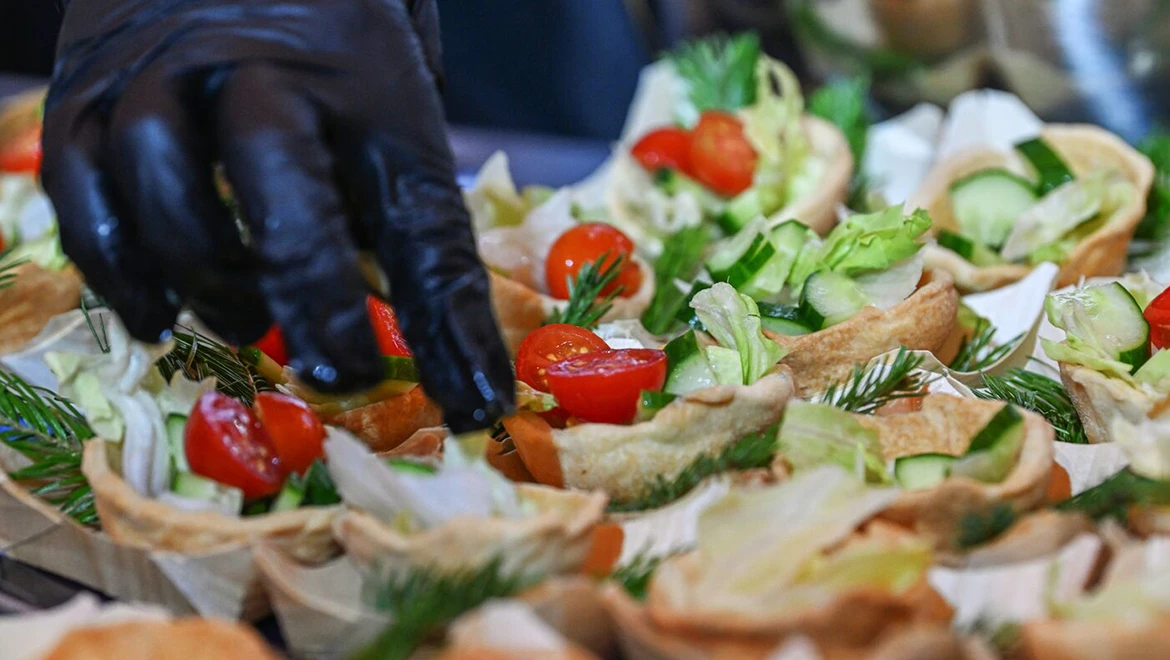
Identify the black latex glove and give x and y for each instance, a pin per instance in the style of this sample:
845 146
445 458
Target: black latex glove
326 117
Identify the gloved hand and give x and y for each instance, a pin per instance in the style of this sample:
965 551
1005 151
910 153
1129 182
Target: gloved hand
326 117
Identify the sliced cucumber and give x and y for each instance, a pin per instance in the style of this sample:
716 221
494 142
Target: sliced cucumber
1050 168
923 470
1156 371
401 368
1105 317
976 253
687 367
726 364
291 496
651 402
805 264
993 451
829 298
740 212
673 182
176 429
410 467
191 485
987 203
784 319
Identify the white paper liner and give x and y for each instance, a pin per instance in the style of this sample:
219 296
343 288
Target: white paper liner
1089 465
900 151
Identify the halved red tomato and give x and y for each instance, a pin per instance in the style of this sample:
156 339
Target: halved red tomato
226 443
297 434
721 156
386 330
21 154
587 243
552 343
1158 316
664 148
272 345
605 386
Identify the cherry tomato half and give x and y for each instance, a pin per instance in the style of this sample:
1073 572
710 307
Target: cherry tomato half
664 148
272 345
584 244
605 386
296 432
1158 316
21 154
386 330
226 443
552 343
721 156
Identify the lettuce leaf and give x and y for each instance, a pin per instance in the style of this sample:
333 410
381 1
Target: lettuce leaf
816 434
773 127
494 201
876 241
1075 351
1135 602
733 319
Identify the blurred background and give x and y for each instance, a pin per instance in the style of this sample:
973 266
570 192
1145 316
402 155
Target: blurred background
569 67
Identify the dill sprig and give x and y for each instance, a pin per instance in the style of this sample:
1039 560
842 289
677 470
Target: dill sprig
635 575
100 337
979 527
423 601
976 353
1114 497
720 70
49 431
753 451
873 386
681 258
586 305
198 356
1041 395
8 267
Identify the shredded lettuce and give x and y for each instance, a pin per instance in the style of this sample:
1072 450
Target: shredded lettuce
773 127
494 200
755 545
1134 602
1083 345
893 565
1055 215
816 434
874 242
1075 351
733 319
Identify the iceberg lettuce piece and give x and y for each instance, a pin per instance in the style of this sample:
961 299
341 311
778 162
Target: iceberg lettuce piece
773 127
1055 215
733 319
816 434
874 242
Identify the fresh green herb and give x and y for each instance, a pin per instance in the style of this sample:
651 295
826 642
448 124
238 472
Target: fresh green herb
635 575
720 70
1154 229
198 356
753 451
1003 635
8 267
873 386
976 353
423 601
100 337
979 527
681 258
1041 395
843 104
49 431
810 27
586 305
1114 497
319 487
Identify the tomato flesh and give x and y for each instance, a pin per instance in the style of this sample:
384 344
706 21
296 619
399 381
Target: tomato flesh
1158 316
552 343
226 443
721 156
386 330
584 244
605 386
22 153
297 434
664 148
272 345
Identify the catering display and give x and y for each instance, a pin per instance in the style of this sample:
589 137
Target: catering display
765 409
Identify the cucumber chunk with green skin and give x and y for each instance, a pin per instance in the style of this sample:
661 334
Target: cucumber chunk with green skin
673 182
410 467
784 319
193 486
176 440
655 400
922 470
401 368
1105 319
726 364
976 253
993 451
829 298
319 487
1054 216
291 496
1050 168
740 211
1156 372
687 367
987 203
731 252
805 264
